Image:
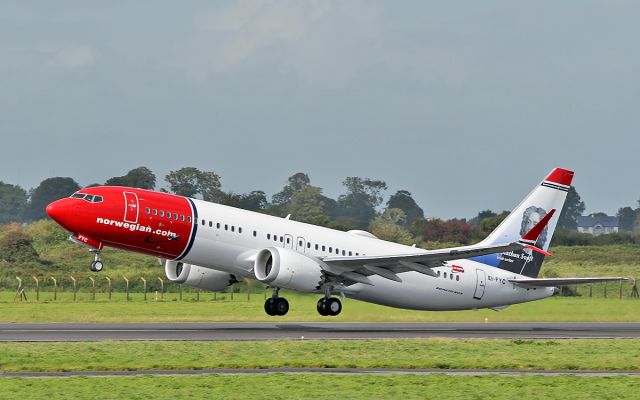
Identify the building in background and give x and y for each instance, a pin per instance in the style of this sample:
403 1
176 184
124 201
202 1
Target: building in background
597 224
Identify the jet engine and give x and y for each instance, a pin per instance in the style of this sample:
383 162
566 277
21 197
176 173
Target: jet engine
288 269
198 277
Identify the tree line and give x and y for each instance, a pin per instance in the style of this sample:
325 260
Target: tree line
361 206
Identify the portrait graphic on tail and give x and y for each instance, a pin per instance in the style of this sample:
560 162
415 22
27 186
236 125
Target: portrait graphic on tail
532 215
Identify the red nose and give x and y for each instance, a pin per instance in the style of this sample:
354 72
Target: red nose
59 211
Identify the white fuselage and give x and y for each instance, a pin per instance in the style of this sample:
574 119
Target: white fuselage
228 239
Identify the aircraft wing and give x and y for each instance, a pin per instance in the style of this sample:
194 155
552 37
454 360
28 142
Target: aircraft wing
357 269
549 282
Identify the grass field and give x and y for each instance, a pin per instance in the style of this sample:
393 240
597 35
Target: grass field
310 386
518 354
303 308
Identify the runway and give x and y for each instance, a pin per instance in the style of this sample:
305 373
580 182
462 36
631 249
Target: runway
88 332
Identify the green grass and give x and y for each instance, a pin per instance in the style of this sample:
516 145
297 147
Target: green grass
436 353
315 386
303 308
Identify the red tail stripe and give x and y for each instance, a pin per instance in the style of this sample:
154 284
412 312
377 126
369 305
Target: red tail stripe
537 230
560 176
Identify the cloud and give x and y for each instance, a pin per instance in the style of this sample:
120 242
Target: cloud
318 41
68 55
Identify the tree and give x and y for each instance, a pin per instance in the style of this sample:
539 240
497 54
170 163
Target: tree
626 218
482 215
190 181
437 230
402 200
13 202
252 201
572 209
388 226
140 177
307 204
49 190
295 183
16 246
360 202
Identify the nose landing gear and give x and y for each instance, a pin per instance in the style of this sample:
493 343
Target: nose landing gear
276 305
96 264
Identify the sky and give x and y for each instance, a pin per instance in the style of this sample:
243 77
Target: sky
465 104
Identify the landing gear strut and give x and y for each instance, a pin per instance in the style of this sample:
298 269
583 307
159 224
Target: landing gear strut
96 264
329 306
276 305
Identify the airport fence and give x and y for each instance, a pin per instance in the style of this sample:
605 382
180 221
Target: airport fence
158 288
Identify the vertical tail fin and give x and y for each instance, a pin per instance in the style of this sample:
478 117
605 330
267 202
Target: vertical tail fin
549 195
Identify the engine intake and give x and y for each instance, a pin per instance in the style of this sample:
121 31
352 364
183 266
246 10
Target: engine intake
288 269
198 277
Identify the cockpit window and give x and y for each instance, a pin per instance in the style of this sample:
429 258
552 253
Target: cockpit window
87 197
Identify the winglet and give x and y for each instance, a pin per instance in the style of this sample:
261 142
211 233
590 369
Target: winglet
533 234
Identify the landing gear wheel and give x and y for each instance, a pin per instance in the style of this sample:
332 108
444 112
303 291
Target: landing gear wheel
96 266
322 306
269 307
333 306
281 306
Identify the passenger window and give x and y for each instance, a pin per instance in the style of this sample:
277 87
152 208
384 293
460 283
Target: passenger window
233 228
268 236
275 238
255 233
323 247
210 224
337 251
169 214
202 222
438 273
161 213
300 243
451 276
316 246
189 219
175 216
148 210
218 225
330 249
239 230
357 254
288 240
182 218
281 239
457 277
155 211
226 227
308 245
350 254
445 275
343 252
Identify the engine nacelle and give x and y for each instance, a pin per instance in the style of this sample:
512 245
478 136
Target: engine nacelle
288 269
198 277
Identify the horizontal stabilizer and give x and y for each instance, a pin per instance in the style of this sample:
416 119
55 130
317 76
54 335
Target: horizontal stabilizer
550 282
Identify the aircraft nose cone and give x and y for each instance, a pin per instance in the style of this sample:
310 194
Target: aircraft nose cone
56 210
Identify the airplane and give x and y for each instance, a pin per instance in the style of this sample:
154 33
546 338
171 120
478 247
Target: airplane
210 246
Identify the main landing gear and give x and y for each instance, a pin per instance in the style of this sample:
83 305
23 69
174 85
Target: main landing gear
96 264
329 306
276 305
